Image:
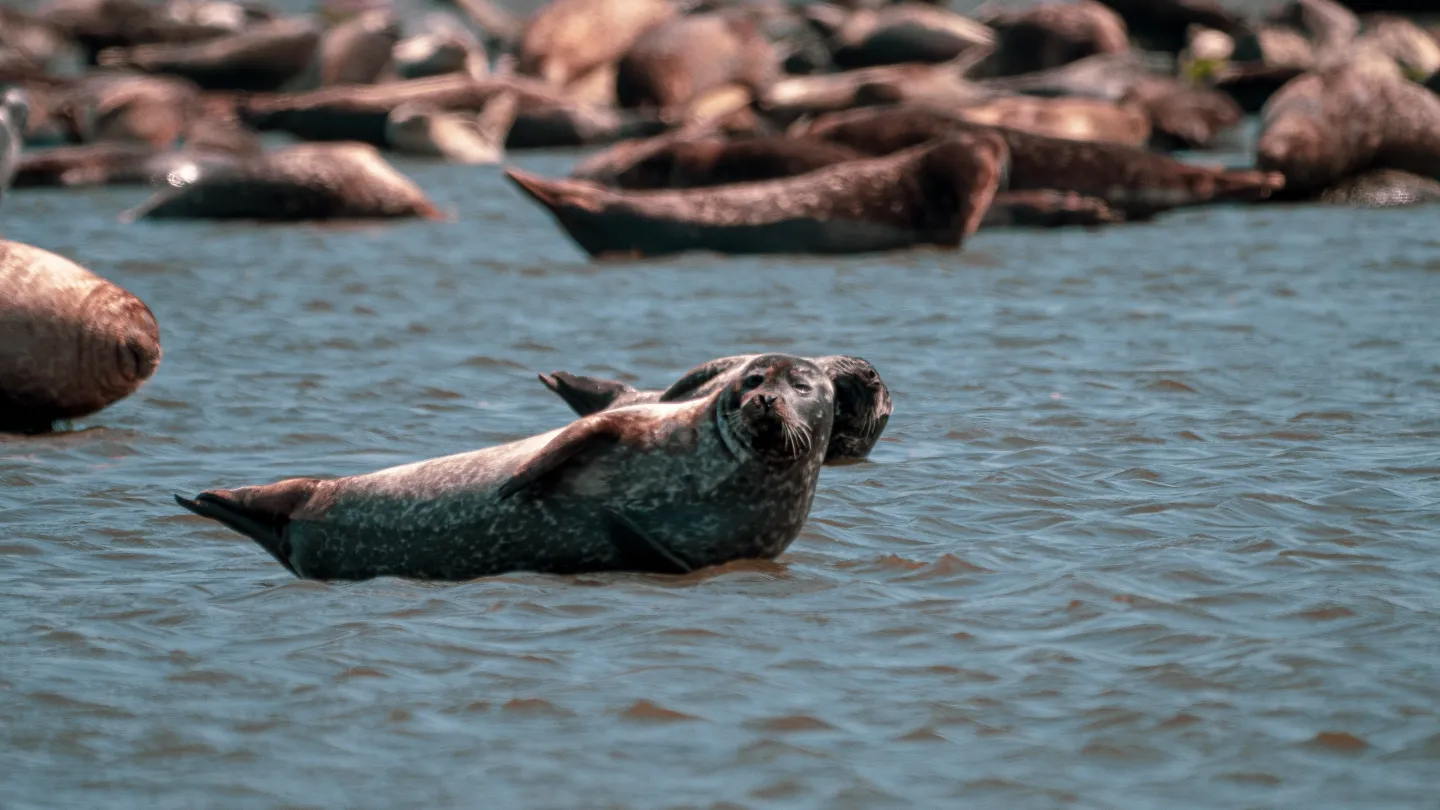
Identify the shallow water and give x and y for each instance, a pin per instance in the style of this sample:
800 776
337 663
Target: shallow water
1153 522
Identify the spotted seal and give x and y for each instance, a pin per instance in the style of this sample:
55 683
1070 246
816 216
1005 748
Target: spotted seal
862 401
935 194
313 181
259 58
71 342
668 487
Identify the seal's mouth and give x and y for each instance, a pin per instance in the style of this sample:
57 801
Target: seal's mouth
767 423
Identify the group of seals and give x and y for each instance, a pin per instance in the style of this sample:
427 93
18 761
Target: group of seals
666 487
71 343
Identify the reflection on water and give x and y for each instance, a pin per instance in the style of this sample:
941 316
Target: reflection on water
1153 522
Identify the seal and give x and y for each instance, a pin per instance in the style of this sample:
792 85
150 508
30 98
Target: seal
302 182
681 59
666 488
905 32
1328 125
14 114
1383 188
1075 118
443 46
260 58
934 194
1130 180
208 143
356 51
1053 34
71 343
568 39
128 107
545 116
456 137
677 161
1162 25
862 401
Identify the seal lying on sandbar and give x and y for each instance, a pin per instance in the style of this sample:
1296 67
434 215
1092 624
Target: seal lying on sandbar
680 161
71 342
862 401
304 182
666 488
935 194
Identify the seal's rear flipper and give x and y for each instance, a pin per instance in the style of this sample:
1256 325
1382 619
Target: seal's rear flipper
260 513
640 551
585 395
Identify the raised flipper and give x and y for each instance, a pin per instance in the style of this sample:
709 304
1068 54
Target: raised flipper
589 433
585 395
260 513
494 122
689 385
641 551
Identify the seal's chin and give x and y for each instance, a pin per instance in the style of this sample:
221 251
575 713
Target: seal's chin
773 432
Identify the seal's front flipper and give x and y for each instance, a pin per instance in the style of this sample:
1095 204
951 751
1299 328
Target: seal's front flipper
585 395
686 387
571 447
641 551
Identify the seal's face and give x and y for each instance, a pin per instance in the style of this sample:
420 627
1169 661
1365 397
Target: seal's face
778 407
862 406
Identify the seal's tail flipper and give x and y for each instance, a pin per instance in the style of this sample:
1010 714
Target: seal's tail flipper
584 395
260 513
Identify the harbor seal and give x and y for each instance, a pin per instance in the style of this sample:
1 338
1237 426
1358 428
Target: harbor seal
1131 180
71 342
260 58
567 40
302 182
671 161
1053 34
455 136
862 401
934 194
667 488
682 59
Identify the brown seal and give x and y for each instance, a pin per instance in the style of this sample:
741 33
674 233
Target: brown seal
1053 34
935 194
545 117
1075 118
71 342
568 39
127 107
1130 180
356 51
904 32
302 182
1382 188
259 58
862 401
681 59
667 488
1326 126
670 161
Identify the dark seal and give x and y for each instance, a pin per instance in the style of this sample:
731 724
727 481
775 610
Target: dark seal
667 488
862 400
932 195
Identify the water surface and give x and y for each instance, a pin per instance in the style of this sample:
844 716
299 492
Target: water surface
1154 522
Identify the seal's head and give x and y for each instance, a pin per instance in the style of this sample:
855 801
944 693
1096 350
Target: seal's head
779 407
862 406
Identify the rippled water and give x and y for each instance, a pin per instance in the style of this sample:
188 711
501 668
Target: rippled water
1154 521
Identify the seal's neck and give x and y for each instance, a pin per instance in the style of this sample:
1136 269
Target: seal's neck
739 449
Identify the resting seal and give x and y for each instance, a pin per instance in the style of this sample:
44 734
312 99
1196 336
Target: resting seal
668 488
263 57
1053 34
71 342
682 59
935 194
456 137
677 161
569 39
303 182
862 402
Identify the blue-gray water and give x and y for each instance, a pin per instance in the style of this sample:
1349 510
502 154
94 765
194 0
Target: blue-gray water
1154 523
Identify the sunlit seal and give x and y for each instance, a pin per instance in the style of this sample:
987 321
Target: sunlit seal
1053 34
935 194
679 60
303 182
356 51
262 57
1382 188
1128 179
71 342
129 107
862 401
668 488
568 39
904 32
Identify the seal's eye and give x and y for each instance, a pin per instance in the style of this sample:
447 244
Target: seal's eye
801 388
754 381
